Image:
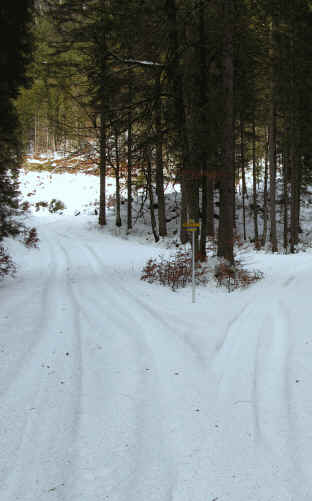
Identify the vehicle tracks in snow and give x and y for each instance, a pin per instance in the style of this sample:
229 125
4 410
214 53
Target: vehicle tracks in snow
239 371
254 396
179 330
155 390
143 413
43 400
127 419
26 327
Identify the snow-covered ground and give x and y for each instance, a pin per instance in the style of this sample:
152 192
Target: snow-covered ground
115 389
78 192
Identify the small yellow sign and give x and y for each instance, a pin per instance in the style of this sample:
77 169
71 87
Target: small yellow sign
191 224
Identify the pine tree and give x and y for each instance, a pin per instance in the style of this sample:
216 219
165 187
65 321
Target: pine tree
225 239
15 53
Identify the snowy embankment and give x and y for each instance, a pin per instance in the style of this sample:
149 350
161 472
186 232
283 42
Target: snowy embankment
115 389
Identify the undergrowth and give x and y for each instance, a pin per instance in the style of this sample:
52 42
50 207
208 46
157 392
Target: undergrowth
7 267
234 277
56 205
31 238
176 272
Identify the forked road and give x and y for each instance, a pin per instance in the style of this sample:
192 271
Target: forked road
112 389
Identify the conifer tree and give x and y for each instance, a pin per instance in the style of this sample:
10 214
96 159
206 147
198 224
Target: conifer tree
15 53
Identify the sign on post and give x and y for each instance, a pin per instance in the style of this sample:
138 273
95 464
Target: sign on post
192 226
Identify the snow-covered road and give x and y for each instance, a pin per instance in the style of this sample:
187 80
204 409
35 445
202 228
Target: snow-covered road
114 389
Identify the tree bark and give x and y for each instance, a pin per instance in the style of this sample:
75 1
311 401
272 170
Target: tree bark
150 193
176 79
285 195
203 100
254 184
272 147
129 162
272 165
102 209
265 194
210 205
295 161
225 237
117 174
243 177
295 198
159 162
183 215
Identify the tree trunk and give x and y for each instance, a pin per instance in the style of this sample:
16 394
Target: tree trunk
210 205
102 96
117 174
203 102
285 196
272 146
243 177
159 163
150 194
225 237
265 194
129 168
183 216
295 160
204 211
102 210
176 79
293 187
295 198
36 133
298 197
272 164
254 184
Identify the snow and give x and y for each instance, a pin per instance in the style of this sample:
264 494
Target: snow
41 158
144 63
44 186
115 389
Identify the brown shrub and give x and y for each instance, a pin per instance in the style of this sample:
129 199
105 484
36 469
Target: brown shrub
7 267
31 238
234 276
174 272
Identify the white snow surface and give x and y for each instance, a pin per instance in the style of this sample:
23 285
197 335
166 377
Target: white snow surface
115 389
78 192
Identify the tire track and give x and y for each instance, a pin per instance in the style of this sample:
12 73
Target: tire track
145 387
273 394
174 353
16 379
275 422
14 371
153 314
178 434
35 427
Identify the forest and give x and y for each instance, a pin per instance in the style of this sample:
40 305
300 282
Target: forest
124 124
205 93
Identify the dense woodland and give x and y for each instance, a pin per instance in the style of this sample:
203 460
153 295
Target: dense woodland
202 92
15 54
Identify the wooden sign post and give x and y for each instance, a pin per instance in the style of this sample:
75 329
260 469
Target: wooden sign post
192 226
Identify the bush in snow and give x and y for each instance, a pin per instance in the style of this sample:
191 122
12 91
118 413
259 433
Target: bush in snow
7 267
56 205
235 276
175 271
31 238
41 204
25 206
111 201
